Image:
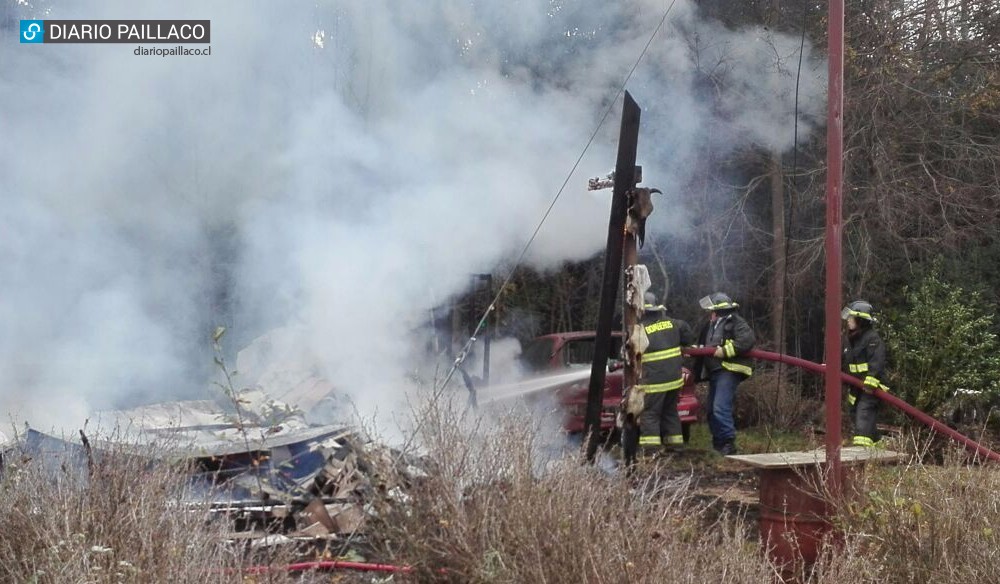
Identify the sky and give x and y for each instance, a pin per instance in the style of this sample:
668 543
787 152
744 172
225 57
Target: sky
332 170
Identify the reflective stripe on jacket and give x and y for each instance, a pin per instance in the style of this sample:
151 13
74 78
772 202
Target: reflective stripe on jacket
864 358
734 335
661 363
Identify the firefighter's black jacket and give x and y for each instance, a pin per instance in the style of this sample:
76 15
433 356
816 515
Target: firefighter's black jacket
734 335
661 363
864 357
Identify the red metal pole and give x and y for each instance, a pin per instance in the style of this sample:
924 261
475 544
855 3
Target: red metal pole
834 225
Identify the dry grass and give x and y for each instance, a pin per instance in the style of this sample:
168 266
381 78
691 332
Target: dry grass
497 504
117 521
494 509
925 523
912 522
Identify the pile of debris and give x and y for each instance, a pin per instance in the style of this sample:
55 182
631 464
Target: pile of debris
270 476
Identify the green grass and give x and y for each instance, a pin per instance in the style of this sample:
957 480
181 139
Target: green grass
768 439
754 440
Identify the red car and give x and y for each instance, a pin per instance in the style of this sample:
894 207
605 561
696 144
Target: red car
564 351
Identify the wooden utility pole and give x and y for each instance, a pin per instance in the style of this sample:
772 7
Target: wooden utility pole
624 181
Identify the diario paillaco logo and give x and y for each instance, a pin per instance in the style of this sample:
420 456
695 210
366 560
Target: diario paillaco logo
32 31
116 31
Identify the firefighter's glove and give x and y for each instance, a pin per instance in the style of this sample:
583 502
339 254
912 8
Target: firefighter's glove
871 383
719 353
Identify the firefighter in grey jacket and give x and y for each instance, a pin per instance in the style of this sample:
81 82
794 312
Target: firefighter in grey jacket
864 358
726 369
662 377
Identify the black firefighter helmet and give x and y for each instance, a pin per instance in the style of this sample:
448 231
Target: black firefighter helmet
718 301
858 309
650 304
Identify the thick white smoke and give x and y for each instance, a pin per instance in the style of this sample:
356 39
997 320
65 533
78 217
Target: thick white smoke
336 168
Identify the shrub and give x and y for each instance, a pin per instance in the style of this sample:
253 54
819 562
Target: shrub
944 342
774 400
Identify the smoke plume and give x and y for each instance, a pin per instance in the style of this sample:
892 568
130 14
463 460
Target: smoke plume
335 169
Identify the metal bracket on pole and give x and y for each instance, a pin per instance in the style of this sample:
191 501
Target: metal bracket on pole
597 183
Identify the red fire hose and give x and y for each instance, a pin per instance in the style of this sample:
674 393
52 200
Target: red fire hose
328 565
890 399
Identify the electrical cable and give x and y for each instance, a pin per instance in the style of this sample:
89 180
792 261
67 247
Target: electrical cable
482 321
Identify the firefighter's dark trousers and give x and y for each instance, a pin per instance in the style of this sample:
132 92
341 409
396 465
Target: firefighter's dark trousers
722 387
864 410
659 422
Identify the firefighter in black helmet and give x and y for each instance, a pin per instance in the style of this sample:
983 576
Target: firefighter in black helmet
864 358
732 337
662 377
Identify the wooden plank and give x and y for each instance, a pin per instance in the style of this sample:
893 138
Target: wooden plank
848 455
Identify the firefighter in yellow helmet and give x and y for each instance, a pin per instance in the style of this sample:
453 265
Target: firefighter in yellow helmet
864 358
662 378
732 337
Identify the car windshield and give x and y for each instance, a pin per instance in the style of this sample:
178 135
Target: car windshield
535 356
580 352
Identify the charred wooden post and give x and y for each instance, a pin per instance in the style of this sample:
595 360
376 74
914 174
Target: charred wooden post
487 332
624 180
89 452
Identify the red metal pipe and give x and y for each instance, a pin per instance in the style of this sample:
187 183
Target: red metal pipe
330 565
889 398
